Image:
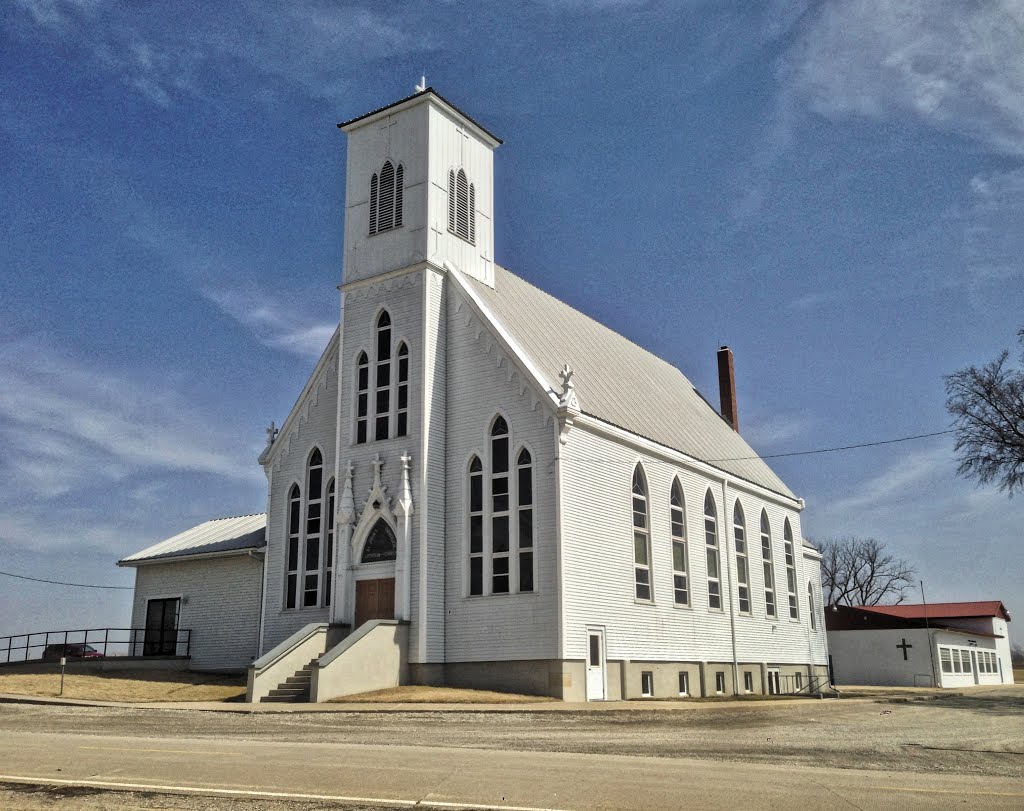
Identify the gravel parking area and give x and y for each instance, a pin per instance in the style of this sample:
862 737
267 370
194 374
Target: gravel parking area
981 733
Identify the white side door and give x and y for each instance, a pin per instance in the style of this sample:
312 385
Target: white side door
596 678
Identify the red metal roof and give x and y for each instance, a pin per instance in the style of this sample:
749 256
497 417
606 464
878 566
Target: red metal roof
985 608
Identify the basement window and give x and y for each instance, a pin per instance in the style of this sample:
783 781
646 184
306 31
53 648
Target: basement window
647 684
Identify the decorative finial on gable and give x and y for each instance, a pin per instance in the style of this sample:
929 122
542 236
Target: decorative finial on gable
346 504
377 463
271 433
405 493
568 399
422 85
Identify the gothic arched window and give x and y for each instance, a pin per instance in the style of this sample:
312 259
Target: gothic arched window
382 378
314 525
711 550
402 413
461 206
769 568
810 604
500 508
524 517
329 551
381 544
787 542
677 519
291 565
641 537
476 527
386 198
362 398
739 529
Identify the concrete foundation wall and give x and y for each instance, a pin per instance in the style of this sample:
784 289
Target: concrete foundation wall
375 657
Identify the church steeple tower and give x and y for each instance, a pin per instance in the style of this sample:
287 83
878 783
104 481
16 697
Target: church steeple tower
419 188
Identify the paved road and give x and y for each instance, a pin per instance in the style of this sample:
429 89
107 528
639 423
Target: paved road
459 778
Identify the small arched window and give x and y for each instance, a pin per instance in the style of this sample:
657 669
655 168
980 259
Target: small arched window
711 550
381 544
787 542
382 378
461 206
291 578
680 574
524 517
386 195
362 397
402 414
769 568
739 529
476 527
500 507
641 537
314 525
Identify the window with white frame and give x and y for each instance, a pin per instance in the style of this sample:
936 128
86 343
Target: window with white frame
329 550
386 191
769 570
362 398
291 577
461 206
946 657
684 683
711 551
739 529
787 541
382 378
799 680
641 537
748 681
476 527
402 412
647 683
314 523
680 571
810 606
720 681
501 516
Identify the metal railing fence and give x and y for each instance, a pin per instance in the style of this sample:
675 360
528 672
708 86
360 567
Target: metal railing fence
104 642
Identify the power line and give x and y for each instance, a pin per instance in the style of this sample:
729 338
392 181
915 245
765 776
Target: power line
61 583
840 448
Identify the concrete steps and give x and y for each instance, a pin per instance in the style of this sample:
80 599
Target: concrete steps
293 689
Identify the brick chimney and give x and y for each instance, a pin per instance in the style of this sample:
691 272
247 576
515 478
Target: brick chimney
727 387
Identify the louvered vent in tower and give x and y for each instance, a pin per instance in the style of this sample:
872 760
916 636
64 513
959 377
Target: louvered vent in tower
386 198
451 201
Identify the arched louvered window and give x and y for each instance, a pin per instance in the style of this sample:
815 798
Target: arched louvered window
641 537
787 542
500 507
476 527
739 530
769 568
314 526
711 550
329 551
680 562
382 378
291 564
362 397
402 413
524 518
461 206
386 195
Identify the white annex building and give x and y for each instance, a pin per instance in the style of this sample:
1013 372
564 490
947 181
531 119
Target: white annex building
481 486
942 644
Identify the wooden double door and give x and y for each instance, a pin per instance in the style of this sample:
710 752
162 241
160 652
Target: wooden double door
375 599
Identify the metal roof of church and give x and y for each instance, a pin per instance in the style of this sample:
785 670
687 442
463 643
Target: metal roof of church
217 537
983 608
619 382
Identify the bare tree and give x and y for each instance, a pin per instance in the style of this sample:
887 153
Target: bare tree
860 571
987 406
1017 655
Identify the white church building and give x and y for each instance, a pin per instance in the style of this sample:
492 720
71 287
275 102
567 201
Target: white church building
481 486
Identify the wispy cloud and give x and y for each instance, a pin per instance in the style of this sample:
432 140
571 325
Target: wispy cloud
954 66
778 428
273 323
164 53
889 488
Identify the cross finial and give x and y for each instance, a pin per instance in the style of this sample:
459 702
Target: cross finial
406 459
566 375
568 400
271 433
422 85
377 463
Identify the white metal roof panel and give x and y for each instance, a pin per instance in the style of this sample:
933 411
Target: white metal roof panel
211 537
619 382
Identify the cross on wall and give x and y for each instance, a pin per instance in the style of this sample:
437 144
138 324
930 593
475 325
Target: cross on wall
905 646
385 129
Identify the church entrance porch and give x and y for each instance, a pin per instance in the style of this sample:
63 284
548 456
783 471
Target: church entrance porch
375 599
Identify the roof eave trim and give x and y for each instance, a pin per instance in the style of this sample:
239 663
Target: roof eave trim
271 452
510 345
598 425
229 553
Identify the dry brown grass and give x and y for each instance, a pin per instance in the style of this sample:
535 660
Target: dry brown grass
414 694
120 685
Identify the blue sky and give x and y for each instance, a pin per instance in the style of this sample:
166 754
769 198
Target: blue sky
834 189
